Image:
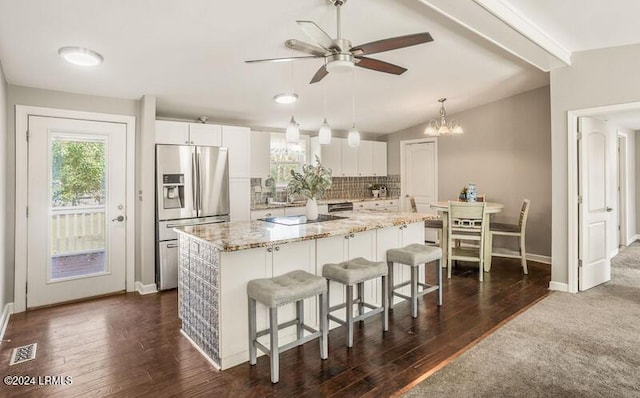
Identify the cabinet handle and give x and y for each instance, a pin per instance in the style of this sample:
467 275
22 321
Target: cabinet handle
277 248
377 204
346 236
268 215
269 250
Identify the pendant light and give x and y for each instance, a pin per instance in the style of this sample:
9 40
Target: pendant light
324 134
436 129
292 134
353 139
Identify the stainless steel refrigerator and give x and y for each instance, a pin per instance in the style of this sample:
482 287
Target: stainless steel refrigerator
192 188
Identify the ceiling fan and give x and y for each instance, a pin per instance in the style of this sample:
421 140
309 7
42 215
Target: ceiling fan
339 54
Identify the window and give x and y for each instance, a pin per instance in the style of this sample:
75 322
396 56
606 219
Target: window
286 157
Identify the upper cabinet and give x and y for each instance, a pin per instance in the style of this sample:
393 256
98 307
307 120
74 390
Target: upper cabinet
260 154
238 141
366 160
182 133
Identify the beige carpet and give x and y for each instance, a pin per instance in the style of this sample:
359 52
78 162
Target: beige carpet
567 345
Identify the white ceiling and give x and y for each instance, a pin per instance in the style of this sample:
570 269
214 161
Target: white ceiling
190 55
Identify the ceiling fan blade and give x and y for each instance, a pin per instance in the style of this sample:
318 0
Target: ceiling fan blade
316 34
305 47
320 74
380 66
286 59
391 43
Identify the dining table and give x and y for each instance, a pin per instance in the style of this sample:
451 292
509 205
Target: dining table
491 208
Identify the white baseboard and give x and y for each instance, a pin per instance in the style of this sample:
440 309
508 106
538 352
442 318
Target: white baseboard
4 319
145 289
633 239
539 258
614 253
561 287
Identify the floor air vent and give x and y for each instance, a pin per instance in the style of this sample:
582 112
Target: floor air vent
23 354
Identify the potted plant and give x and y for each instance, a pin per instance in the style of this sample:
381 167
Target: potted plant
311 184
375 189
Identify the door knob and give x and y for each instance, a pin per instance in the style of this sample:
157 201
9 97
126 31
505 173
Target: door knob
119 219
609 209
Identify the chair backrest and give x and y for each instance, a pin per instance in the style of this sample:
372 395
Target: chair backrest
412 200
524 214
481 198
465 220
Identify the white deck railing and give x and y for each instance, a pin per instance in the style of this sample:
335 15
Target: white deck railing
76 230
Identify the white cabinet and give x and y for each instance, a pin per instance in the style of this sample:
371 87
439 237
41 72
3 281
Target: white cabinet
379 158
337 249
379 205
239 199
260 154
349 159
330 155
365 158
399 236
273 212
238 141
183 133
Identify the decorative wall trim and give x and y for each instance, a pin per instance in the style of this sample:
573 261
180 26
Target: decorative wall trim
145 289
561 287
4 319
539 258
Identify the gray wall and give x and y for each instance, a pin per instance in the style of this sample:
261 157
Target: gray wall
506 152
596 78
637 165
18 95
6 293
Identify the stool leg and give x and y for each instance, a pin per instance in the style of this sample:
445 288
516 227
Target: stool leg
385 304
439 275
252 331
300 315
390 285
361 299
324 325
414 292
349 315
275 354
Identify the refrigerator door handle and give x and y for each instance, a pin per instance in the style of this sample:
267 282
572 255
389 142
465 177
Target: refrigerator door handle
194 181
199 190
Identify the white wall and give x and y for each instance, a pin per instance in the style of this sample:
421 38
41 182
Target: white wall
6 294
596 78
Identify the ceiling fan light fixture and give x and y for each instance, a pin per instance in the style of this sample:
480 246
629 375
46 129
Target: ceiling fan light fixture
353 139
340 66
292 135
80 56
324 134
285 98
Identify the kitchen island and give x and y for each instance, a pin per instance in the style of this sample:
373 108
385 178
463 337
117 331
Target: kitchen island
216 262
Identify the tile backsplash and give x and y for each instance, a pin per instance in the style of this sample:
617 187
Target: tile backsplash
342 188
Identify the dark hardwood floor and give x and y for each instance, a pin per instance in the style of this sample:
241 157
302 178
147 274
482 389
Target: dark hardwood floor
130 345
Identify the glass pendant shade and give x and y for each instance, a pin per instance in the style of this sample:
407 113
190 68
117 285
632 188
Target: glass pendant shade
436 129
292 134
324 134
354 137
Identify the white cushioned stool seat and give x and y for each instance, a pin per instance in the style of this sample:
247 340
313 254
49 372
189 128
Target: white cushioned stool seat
414 254
354 271
287 288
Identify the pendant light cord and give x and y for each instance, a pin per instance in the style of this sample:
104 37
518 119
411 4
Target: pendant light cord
353 95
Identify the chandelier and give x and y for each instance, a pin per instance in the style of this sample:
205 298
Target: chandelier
443 128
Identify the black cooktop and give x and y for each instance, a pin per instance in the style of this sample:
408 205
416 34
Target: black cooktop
299 220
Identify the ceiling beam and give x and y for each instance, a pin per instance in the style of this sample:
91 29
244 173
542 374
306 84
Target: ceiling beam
507 28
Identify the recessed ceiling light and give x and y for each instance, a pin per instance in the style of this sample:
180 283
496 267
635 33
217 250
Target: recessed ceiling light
80 56
286 98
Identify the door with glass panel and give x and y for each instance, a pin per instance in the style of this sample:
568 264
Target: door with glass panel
76 209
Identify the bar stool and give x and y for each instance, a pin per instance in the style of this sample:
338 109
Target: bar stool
292 287
414 255
356 272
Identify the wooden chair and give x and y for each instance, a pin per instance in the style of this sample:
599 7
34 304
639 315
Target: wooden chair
513 230
431 224
466 223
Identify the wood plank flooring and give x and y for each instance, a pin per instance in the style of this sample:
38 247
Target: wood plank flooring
130 345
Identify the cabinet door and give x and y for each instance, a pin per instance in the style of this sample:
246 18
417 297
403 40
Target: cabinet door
238 141
290 257
170 132
205 134
379 158
332 250
365 158
277 212
362 244
331 156
349 159
413 233
240 199
260 154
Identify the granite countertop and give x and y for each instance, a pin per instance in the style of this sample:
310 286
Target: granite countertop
246 235
264 206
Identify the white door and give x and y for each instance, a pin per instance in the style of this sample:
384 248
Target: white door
421 179
76 209
595 179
